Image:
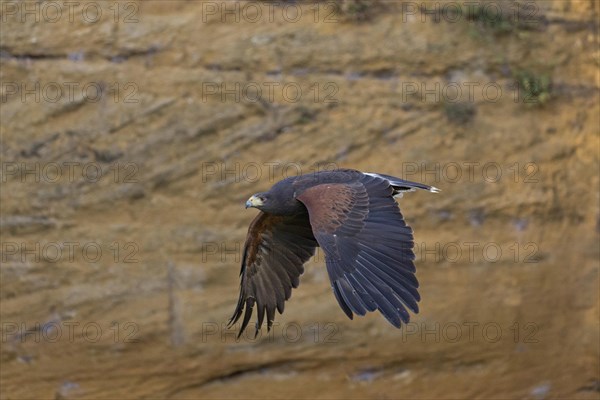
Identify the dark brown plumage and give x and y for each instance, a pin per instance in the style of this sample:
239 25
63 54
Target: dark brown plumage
354 218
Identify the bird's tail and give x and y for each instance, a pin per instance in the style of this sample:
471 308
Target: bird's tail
401 185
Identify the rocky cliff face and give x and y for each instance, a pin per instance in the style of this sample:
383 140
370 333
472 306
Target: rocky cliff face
133 132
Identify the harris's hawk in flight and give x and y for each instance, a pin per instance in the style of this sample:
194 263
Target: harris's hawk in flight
354 218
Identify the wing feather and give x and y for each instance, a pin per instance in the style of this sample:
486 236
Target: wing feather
275 251
367 245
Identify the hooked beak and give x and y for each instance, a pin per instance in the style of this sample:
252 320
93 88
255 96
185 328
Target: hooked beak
254 202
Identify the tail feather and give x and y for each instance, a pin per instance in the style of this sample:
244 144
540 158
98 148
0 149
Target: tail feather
401 185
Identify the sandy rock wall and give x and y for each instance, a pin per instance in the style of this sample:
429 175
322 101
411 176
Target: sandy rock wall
131 137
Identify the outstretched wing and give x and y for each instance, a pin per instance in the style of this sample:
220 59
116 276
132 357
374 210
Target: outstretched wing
367 246
275 251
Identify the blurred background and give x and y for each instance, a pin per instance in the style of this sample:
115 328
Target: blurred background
134 131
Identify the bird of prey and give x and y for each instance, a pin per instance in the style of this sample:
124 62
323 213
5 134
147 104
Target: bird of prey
354 218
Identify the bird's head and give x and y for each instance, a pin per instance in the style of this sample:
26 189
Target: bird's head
277 201
258 200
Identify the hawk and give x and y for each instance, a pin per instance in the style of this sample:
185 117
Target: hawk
354 218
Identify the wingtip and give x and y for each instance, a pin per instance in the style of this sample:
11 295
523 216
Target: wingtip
433 189
231 322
